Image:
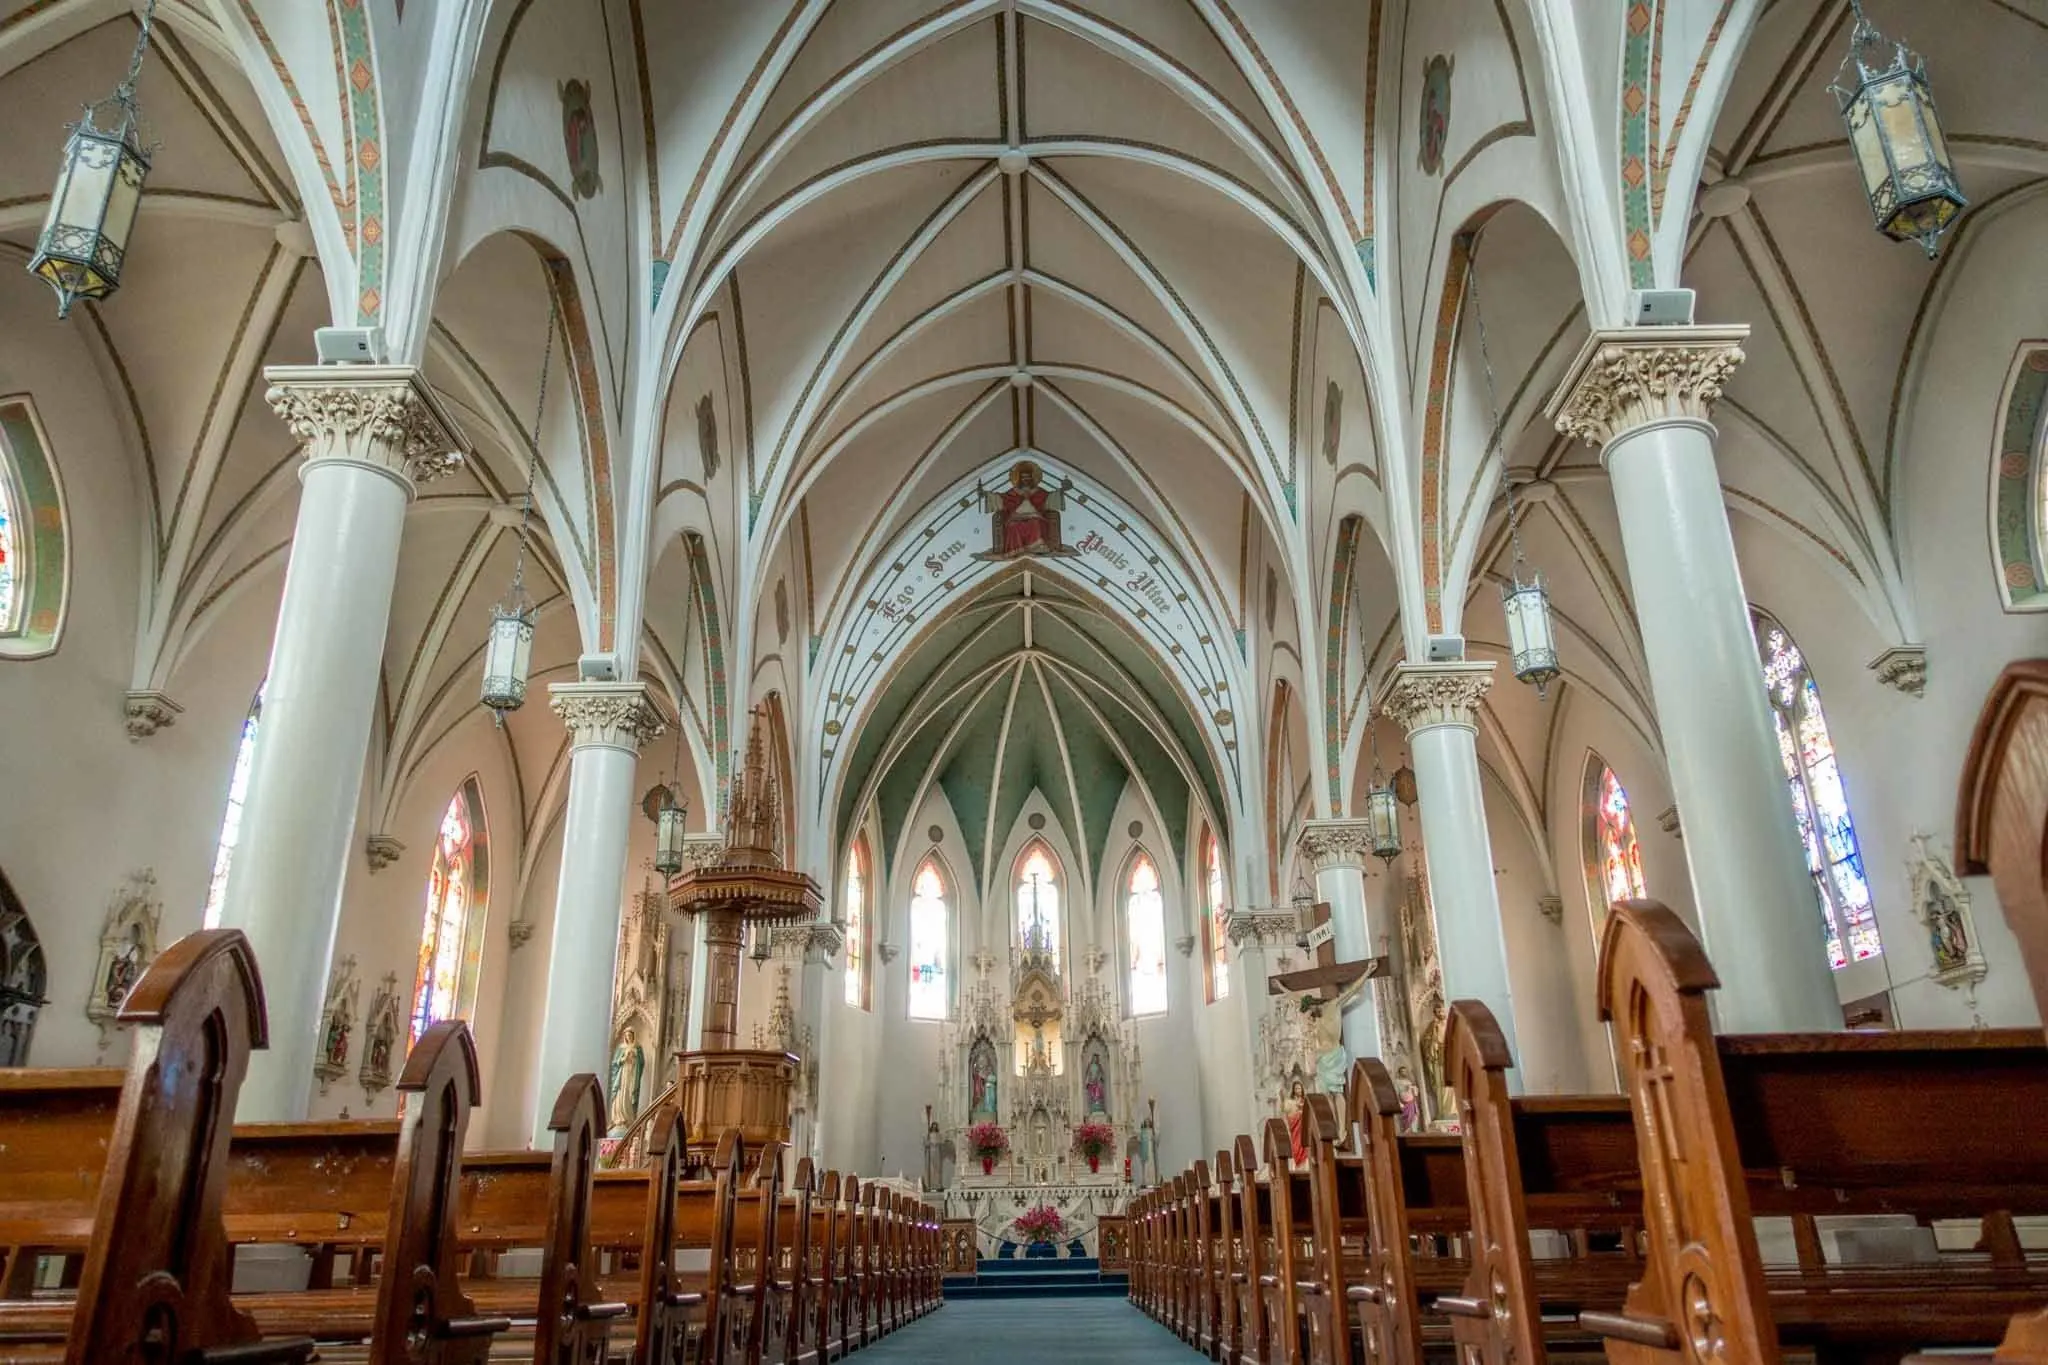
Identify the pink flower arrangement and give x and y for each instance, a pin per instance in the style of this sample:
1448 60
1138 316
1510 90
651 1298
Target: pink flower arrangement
1042 1225
1094 1140
987 1140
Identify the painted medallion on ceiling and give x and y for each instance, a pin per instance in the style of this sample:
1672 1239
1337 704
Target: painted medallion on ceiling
579 139
1436 113
1024 518
1109 554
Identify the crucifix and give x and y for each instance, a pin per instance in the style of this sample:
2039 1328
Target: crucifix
1332 978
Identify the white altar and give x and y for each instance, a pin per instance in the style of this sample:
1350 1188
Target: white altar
1039 1053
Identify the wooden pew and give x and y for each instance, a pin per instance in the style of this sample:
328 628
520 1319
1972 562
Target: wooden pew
1255 1233
1204 1279
1414 1189
1225 1348
1337 1198
825 1271
1292 1218
1565 1163
1934 1125
800 1284
130 1169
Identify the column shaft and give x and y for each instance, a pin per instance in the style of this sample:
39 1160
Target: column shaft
1336 850
368 433
608 722
1438 705
1644 396
725 936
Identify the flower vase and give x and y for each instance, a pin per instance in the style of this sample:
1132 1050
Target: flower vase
988 1165
1094 1165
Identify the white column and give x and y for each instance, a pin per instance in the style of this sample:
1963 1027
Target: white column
370 434
1438 705
1336 850
822 943
1643 396
608 722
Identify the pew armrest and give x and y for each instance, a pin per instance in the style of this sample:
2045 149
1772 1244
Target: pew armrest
455 1328
275 1351
1363 1293
1311 1287
1655 1333
599 1312
688 1299
1458 1307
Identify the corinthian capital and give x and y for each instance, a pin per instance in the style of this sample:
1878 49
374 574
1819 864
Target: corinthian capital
1335 843
1428 695
616 715
1632 376
383 416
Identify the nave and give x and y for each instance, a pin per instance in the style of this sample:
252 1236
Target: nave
1024 1332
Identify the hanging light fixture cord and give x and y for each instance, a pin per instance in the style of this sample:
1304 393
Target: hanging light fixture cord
540 407
1493 436
125 93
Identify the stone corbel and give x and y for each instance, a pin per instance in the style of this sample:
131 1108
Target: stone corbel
1667 820
1903 668
1185 944
381 851
886 952
1551 908
149 712
1327 844
519 933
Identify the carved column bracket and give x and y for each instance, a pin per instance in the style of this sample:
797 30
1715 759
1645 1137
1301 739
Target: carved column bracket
1629 377
381 851
1902 668
149 712
1551 908
1424 696
811 943
1263 929
615 715
1335 843
382 416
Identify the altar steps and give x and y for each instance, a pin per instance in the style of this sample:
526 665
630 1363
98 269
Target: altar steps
1016 1278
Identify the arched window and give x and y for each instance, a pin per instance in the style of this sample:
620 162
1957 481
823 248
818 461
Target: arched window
34 554
1613 864
231 823
1819 804
1215 917
930 928
1038 902
856 901
1145 923
451 937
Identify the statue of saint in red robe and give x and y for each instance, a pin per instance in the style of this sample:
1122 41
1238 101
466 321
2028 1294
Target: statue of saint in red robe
1025 517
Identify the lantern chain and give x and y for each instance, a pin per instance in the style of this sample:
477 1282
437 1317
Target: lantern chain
125 93
540 407
1493 439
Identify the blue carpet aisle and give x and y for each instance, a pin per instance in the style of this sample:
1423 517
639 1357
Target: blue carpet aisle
1071 1331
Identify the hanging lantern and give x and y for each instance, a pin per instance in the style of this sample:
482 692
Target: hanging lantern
669 834
508 653
99 188
1896 136
1531 646
1383 818
761 949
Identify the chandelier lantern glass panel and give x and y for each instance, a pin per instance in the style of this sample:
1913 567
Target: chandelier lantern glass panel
1896 136
1532 645
84 241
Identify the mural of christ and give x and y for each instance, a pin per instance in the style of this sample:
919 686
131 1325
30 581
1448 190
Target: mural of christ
1024 519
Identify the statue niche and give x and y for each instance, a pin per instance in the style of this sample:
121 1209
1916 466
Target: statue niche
1095 1093
982 1093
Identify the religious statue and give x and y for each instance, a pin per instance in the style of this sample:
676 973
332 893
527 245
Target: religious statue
1333 1063
1147 1142
1297 1118
981 1080
1024 519
127 947
1411 1101
337 1021
629 1060
380 1038
1943 905
934 1154
122 971
1095 1085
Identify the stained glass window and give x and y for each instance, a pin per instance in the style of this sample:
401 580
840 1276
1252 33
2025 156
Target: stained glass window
1038 902
929 930
1145 916
856 901
231 823
1819 804
1216 917
10 551
454 890
1617 864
